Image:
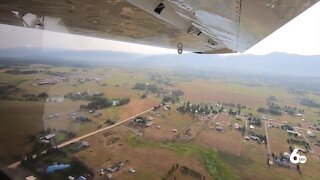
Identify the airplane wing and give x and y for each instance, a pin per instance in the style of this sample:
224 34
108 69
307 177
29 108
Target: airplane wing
201 26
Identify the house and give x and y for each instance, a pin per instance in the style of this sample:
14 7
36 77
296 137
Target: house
53 168
56 99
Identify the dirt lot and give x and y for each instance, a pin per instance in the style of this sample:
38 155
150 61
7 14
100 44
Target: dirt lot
278 140
228 140
100 155
167 120
19 120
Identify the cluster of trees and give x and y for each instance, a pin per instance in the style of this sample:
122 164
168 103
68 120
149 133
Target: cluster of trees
100 102
191 172
25 97
309 103
161 80
82 96
56 73
254 121
34 97
7 87
275 109
235 111
140 86
198 109
172 170
173 97
109 122
152 88
123 101
18 71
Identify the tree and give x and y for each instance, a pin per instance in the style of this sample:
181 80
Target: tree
43 95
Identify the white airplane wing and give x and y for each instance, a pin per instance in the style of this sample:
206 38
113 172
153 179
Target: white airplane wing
202 26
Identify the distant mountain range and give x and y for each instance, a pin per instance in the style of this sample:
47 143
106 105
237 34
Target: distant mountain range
271 64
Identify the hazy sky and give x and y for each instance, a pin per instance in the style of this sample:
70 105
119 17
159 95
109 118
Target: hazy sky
299 36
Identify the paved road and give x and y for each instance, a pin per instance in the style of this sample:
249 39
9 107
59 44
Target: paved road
14 165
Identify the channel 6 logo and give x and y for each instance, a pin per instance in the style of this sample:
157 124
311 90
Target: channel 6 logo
296 158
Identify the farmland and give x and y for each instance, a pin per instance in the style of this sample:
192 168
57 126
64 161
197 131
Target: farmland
199 127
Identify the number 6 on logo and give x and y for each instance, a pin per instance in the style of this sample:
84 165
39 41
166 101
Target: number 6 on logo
295 158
